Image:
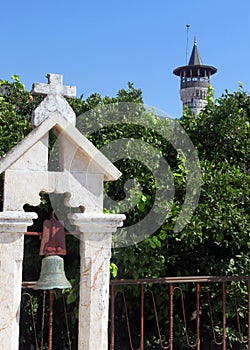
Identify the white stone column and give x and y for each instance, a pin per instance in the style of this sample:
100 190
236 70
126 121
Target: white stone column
13 225
95 250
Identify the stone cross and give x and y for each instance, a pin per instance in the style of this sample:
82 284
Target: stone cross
54 100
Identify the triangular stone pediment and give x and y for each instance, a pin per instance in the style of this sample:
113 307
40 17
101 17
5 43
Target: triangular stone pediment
72 138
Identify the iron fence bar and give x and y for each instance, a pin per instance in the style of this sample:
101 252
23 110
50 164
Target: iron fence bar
67 322
112 326
51 298
187 279
185 319
127 320
212 320
157 322
33 318
238 318
142 317
224 319
237 314
166 280
248 337
198 291
28 284
171 315
43 316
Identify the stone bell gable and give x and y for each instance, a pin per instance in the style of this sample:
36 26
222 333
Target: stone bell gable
82 167
80 173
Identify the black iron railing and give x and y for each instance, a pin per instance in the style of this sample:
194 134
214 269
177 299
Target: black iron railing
212 296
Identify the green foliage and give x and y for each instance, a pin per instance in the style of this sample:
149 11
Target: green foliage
216 241
221 222
14 116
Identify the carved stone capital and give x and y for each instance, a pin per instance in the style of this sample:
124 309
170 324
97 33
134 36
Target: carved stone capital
97 222
16 221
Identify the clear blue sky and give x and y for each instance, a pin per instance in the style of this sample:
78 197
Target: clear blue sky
101 45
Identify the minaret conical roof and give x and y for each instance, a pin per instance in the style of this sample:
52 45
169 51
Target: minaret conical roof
195 58
195 62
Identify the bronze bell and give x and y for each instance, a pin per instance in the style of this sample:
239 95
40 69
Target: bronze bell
52 274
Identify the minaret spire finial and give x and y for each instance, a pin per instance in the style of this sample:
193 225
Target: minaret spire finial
195 40
187 26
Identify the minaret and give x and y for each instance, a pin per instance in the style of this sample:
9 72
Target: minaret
195 80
